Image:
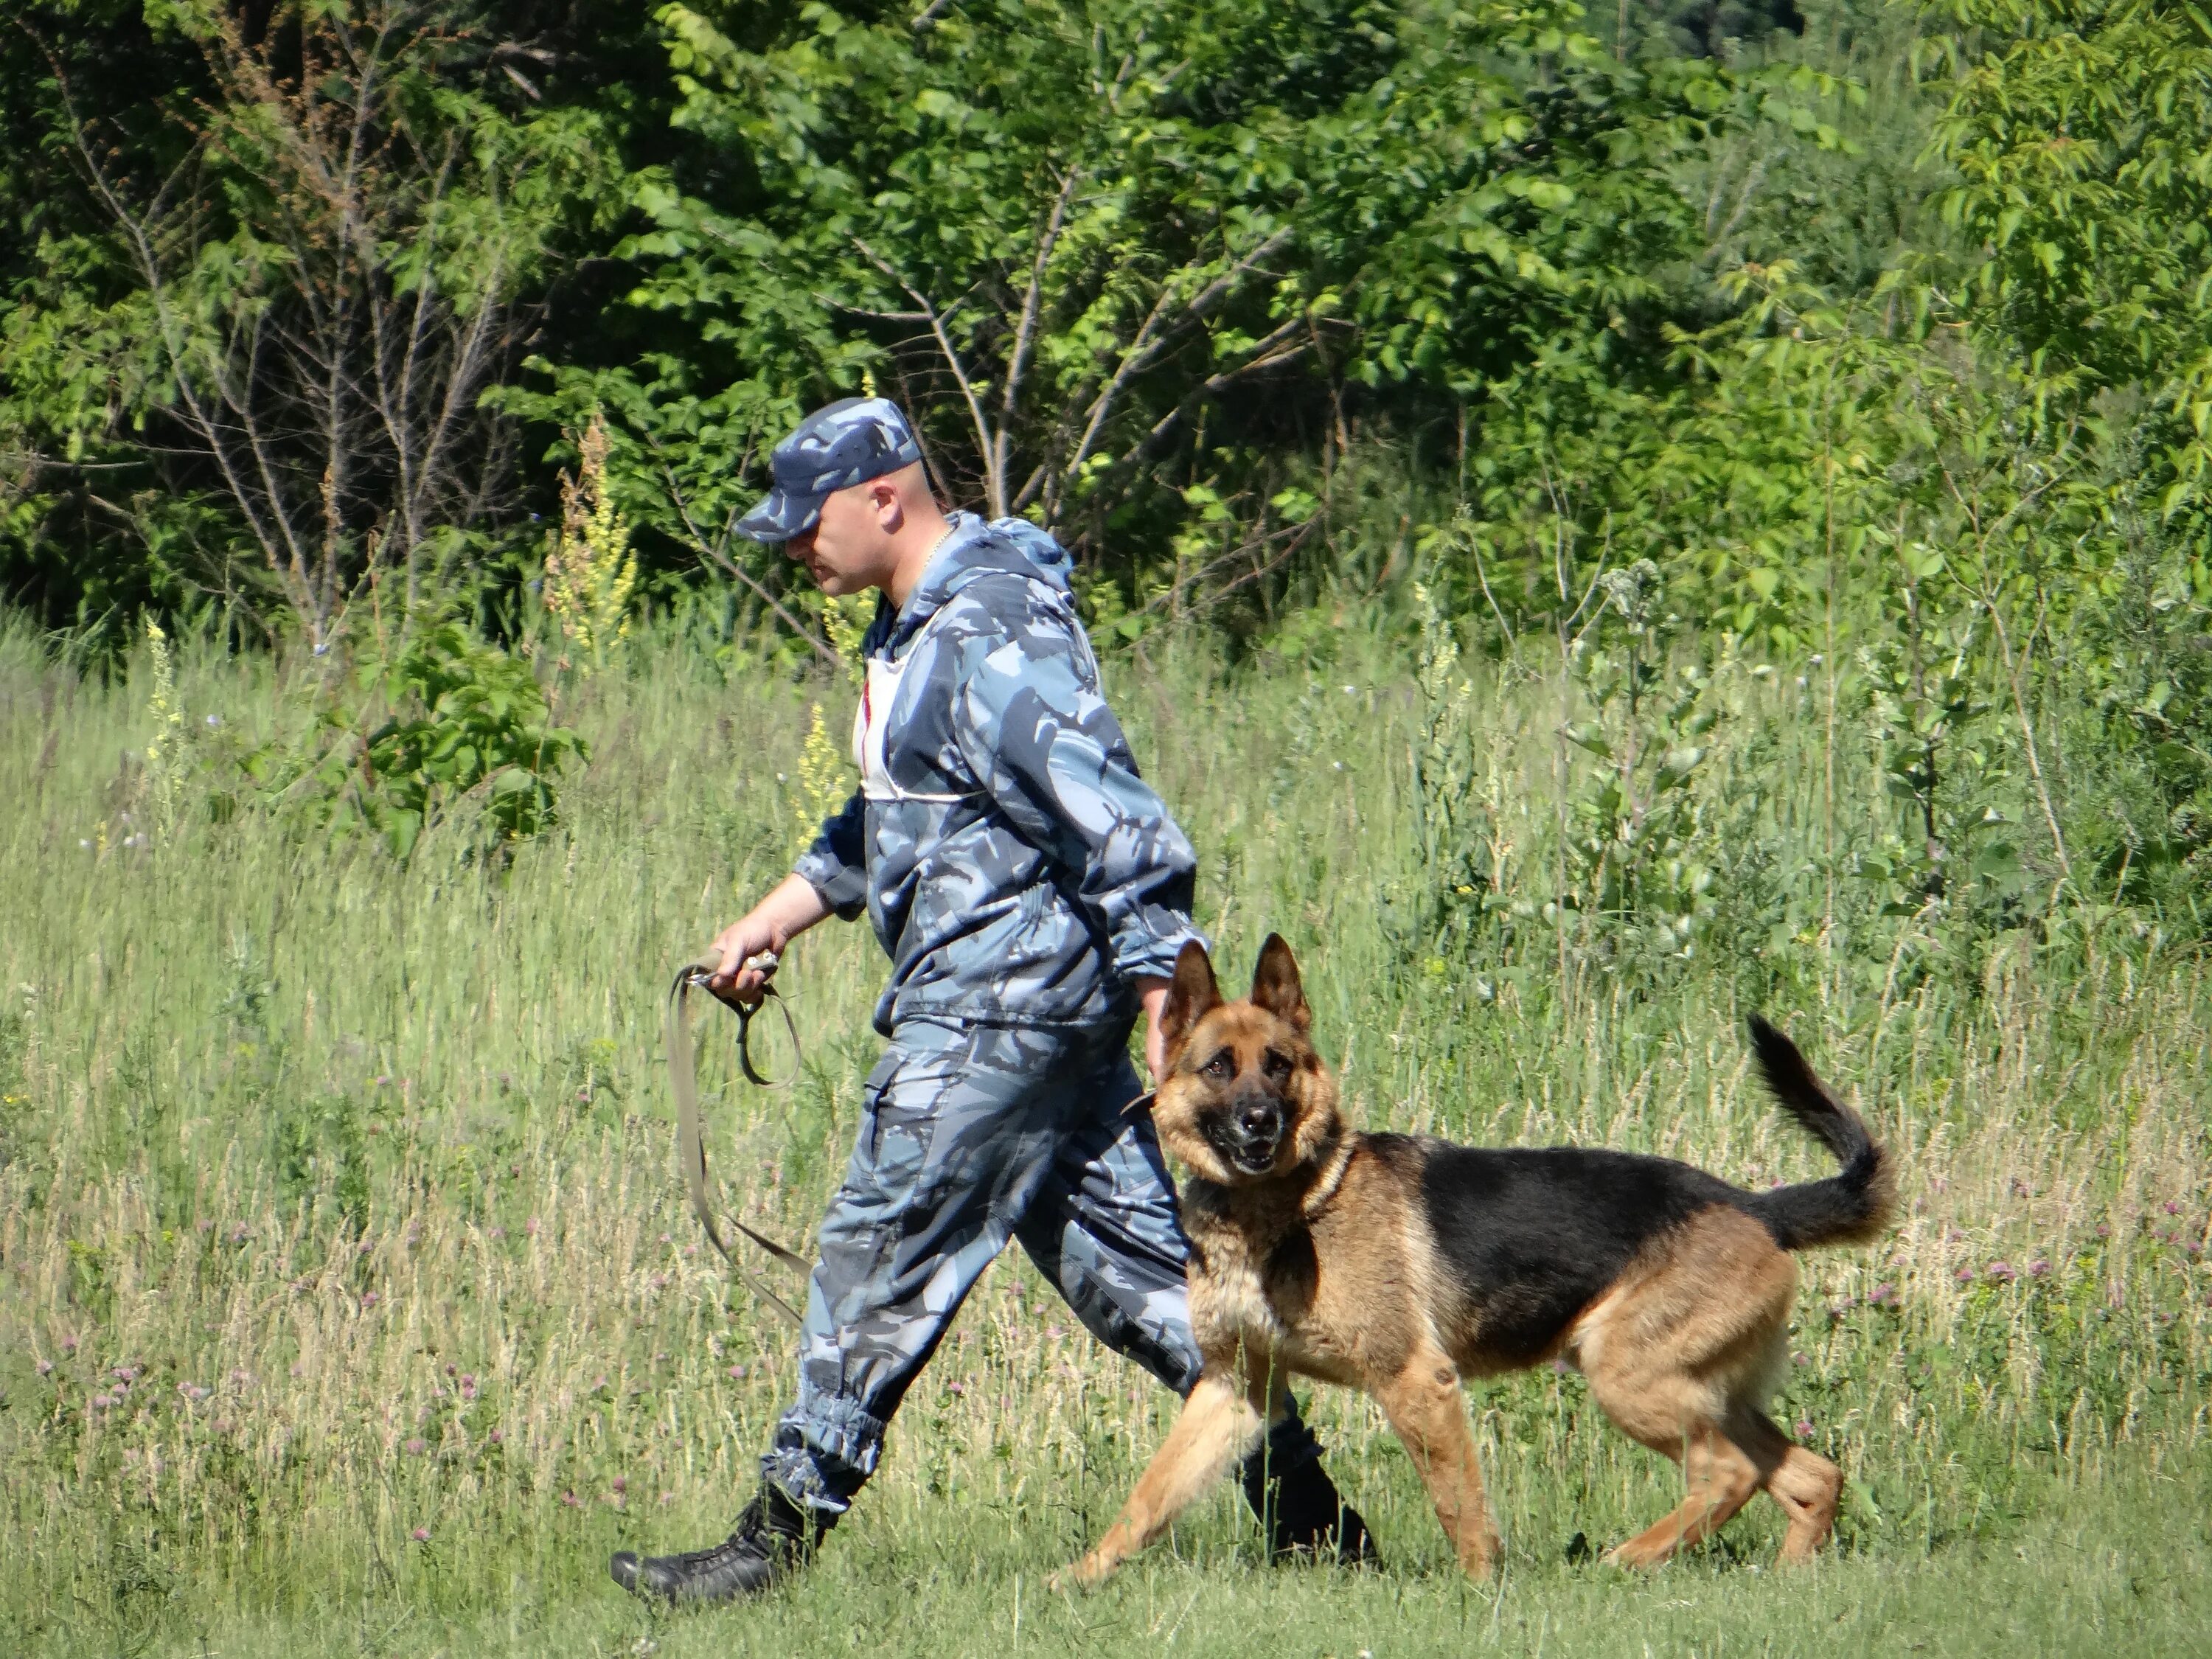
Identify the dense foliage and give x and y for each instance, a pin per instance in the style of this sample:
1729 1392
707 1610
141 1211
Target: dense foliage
1874 341
299 290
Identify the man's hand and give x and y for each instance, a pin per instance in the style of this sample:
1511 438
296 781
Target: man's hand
791 908
1153 994
741 943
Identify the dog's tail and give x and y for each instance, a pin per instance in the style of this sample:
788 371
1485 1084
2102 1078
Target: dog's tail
1850 1207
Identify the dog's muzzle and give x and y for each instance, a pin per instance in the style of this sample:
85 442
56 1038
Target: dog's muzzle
1246 1133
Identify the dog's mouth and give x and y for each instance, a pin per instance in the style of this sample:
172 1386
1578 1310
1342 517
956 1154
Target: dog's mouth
1247 1136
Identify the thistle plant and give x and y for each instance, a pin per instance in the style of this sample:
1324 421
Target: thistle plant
1461 844
590 572
825 772
164 772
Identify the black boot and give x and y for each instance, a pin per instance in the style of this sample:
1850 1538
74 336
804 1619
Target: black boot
773 1539
1306 1518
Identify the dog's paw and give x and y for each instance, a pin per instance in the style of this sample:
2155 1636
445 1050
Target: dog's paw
1482 1566
1084 1575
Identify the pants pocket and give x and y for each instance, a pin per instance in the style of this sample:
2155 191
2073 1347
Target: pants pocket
902 1104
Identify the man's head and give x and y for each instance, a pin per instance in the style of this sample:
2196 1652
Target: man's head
852 501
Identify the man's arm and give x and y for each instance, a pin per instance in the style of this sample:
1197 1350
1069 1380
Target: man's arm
1153 994
835 864
792 906
1037 734
831 879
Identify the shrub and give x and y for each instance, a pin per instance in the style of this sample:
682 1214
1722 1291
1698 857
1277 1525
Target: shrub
464 727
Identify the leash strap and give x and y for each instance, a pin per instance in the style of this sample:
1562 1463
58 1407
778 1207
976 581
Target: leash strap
691 1137
745 1038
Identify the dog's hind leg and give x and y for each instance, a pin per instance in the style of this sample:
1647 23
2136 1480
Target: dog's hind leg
1807 1485
1426 1413
1674 1354
1721 1478
1218 1426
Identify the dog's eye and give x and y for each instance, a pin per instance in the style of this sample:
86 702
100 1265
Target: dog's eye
1219 1068
1276 1066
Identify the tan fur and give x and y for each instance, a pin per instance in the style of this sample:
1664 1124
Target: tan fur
1682 1353
1324 1265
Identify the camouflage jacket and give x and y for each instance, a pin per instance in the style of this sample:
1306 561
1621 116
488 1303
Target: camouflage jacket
1016 869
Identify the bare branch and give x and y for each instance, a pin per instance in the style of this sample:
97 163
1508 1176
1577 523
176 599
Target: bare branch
1272 352
1030 486
1291 537
1212 294
715 551
1152 340
994 483
337 399
1102 405
873 316
1024 332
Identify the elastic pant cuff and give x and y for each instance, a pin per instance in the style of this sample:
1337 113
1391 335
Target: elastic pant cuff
792 1472
826 1448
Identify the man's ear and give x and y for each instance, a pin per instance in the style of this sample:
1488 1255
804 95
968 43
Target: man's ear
1275 985
1192 995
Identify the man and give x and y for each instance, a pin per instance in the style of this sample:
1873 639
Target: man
1032 893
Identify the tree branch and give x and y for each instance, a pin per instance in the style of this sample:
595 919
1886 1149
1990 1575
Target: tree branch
1214 384
714 552
994 481
1024 331
1146 348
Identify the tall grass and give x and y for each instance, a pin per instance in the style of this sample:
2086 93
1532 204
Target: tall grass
351 1288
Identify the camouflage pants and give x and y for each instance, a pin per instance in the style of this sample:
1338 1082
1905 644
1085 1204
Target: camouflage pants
970 1135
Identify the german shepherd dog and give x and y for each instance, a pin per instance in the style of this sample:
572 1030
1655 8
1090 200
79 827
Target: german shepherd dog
1399 1264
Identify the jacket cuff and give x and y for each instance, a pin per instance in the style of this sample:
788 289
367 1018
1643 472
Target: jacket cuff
843 887
1147 946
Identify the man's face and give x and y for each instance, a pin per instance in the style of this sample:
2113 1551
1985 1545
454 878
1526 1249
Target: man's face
849 550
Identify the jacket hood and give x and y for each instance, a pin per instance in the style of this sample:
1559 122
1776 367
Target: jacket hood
975 549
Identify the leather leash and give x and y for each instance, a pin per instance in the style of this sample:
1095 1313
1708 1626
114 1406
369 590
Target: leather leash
691 1137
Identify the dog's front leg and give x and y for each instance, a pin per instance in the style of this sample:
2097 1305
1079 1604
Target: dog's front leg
1217 1426
1425 1412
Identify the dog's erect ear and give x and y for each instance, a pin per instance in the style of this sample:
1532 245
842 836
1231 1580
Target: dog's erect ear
1192 995
1275 985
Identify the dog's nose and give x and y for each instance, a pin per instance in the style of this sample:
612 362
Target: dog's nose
1259 1119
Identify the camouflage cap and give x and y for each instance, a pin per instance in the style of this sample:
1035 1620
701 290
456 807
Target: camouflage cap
851 441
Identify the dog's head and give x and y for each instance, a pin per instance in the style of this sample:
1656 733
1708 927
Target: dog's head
1245 1098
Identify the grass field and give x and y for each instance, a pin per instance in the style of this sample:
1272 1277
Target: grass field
352 1303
